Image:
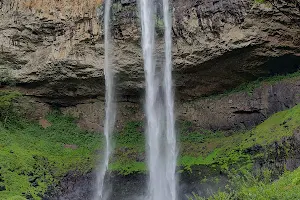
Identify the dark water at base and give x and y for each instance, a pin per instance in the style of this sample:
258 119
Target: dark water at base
133 187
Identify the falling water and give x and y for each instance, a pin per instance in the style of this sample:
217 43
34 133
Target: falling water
110 110
152 112
159 105
171 153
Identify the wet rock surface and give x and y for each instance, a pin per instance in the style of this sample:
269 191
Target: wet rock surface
130 187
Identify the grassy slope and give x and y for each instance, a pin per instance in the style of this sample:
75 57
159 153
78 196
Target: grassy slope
32 158
130 144
228 150
205 147
287 187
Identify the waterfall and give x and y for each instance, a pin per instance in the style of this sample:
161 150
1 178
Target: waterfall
110 110
159 106
171 155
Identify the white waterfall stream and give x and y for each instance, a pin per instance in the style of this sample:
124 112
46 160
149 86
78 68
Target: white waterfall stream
110 107
159 106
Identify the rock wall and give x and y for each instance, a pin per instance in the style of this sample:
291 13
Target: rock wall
240 110
132 187
54 49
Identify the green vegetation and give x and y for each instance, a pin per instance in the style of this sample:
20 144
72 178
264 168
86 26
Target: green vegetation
6 77
6 104
259 1
286 187
202 147
33 158
116 7
227 151
159 26
130 143
217 196
187 134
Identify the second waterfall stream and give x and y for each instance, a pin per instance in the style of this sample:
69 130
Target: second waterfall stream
102 191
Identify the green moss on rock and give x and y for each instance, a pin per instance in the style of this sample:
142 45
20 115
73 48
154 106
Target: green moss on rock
33 158
225 151
203 147
287 187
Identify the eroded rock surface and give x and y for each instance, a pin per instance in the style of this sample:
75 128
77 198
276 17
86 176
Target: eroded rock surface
243 109
54 49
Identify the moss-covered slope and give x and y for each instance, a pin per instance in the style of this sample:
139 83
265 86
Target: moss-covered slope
228 150
32 158
287 187
203 147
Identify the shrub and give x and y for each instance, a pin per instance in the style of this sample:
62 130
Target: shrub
6 104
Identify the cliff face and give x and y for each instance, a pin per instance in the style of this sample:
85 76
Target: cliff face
240 110
54 49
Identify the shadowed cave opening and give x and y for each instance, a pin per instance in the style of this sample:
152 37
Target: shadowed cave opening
282 65
274 66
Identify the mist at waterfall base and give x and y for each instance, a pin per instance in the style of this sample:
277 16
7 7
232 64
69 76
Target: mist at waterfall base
159 108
